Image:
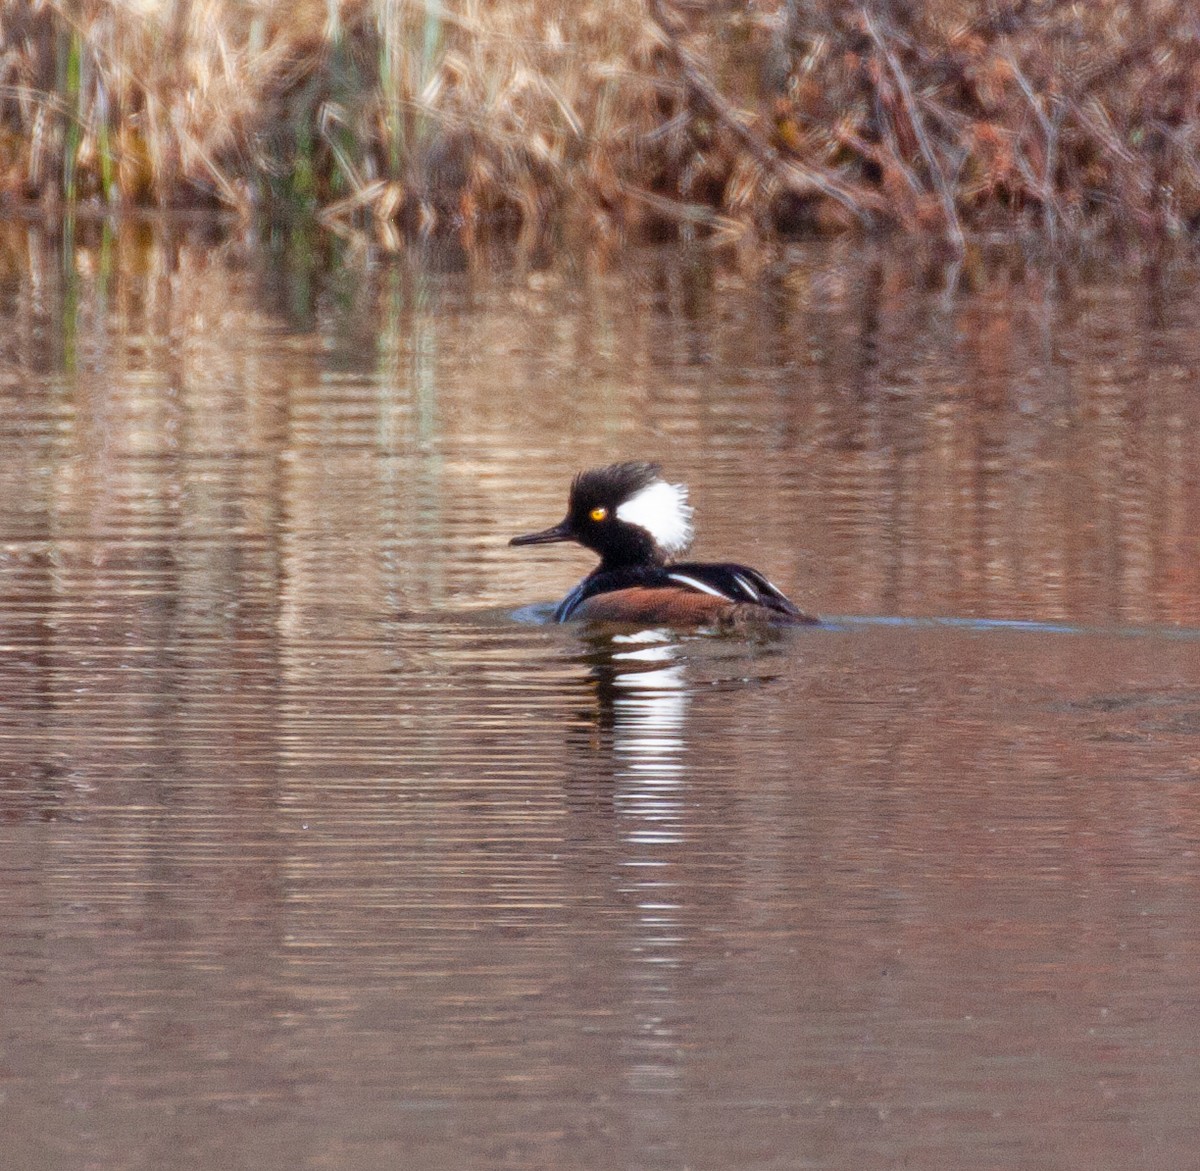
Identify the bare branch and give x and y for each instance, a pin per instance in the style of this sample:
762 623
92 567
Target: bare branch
792 173
949 208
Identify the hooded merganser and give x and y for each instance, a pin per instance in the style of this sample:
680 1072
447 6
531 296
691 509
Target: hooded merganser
638 523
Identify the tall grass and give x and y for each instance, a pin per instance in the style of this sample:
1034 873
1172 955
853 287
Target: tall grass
943 117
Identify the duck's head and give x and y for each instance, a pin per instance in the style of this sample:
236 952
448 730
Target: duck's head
627 513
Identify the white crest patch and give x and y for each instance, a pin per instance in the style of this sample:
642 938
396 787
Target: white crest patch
663 511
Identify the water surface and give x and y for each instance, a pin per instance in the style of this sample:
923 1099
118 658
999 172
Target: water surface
315 851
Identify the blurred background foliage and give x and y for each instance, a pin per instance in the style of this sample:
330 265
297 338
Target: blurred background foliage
614 118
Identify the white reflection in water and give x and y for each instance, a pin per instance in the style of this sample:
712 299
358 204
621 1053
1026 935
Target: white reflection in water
649 715
649 706
650 701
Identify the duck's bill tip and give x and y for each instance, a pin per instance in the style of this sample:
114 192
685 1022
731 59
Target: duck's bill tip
559 532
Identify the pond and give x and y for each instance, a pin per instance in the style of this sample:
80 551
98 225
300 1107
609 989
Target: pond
319 849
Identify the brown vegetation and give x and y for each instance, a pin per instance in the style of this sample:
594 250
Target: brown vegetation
616 116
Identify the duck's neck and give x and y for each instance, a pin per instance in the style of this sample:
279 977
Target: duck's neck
634 550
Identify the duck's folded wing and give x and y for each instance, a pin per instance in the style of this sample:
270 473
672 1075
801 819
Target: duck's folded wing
736 583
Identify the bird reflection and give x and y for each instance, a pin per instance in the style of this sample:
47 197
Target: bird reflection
630 749
637 707
639 754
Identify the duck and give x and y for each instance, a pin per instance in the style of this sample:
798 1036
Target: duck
638 523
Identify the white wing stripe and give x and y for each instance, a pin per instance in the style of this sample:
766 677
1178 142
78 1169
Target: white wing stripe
696 585
750 591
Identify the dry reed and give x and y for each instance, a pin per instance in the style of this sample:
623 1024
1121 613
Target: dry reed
616 116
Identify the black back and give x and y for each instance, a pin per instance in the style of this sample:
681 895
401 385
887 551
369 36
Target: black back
738 584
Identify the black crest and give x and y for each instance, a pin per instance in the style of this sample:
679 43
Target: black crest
611 485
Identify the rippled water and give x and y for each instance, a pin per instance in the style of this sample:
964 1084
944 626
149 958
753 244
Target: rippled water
318 850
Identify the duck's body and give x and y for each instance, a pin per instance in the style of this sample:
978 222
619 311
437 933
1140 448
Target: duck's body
637 522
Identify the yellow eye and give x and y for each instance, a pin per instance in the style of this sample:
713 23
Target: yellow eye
598 514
